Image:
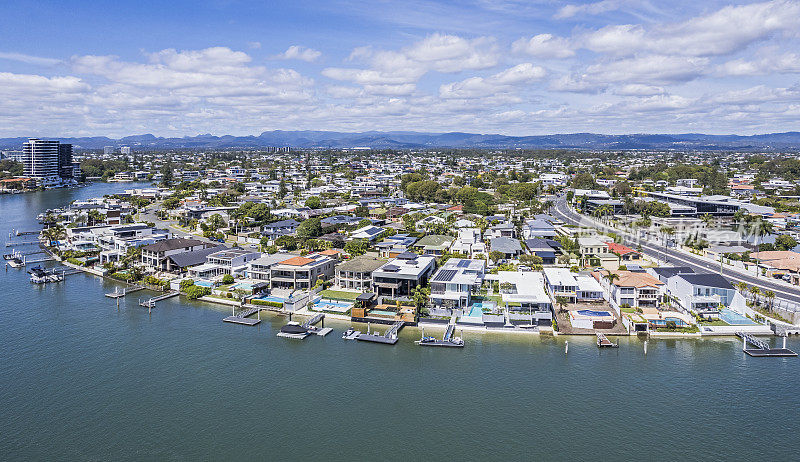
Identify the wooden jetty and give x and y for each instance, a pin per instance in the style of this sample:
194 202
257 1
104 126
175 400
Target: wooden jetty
151 302
389 337
761 348
604 342
125 291
242 317
448 340
300 331
21 243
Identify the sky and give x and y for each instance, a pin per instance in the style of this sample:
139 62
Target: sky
514 67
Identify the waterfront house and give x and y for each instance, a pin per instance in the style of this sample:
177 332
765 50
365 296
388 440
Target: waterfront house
259 269
701 293
400 276
633 289
157 257
301 273
663 273
356 274
228 261
561 282
453 285
524 295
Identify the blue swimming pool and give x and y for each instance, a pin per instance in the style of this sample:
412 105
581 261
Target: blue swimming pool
271 298
735 319
476 311
332 305
593 313
203 284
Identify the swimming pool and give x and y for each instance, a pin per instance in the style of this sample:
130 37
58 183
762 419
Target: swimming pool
203 284
735 319
332 305
476 311
271 298
594 313
382 313
242 286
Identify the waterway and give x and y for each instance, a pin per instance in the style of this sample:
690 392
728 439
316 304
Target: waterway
82 379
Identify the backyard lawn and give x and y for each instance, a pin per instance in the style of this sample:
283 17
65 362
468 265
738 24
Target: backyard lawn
339 295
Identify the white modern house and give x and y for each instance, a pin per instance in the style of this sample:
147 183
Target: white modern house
469 242
453 285
525 298
703 293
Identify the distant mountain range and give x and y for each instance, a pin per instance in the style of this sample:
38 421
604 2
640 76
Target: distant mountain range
420 140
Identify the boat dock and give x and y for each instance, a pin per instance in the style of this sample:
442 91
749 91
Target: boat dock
762 348
242 317
124 292
151 303
17 232
448 340
389 337
15 244
604 342
301 331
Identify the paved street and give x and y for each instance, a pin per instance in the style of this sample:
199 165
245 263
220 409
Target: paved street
562 211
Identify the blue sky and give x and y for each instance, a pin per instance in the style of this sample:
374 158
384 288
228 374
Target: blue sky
178 68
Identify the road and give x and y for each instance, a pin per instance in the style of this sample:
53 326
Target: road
562 211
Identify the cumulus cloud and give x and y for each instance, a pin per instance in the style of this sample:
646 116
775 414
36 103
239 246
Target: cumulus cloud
301 53
437 52
544 46
502 82
722 32
604 6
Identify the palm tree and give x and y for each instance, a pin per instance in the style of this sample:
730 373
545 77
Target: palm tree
611 277
760 228
742 287
666 231
770 295
707 219
755 291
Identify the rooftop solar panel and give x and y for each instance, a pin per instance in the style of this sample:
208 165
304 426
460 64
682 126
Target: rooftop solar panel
445 275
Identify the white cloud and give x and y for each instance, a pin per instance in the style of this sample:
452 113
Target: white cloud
301 53
544 46
254 45
502 82
28 59
785 63
604 6
437 52
637 89
723 32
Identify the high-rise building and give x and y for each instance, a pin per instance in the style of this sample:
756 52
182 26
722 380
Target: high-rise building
40 161
65 169
125 149
108 150
48 162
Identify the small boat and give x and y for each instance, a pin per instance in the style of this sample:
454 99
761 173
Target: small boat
294 330
15 262
351 334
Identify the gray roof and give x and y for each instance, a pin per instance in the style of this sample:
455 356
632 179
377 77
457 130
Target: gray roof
361 264
506 245
172 244
707 279
669 271
195 257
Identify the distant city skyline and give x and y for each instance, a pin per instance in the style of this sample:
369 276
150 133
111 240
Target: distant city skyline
508 67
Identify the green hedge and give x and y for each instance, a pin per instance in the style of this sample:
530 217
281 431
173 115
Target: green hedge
256 301
75 261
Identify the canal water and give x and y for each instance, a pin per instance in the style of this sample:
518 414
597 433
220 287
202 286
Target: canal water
81 379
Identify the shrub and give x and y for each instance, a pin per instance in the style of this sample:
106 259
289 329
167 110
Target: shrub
195 292
227 279
256 301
